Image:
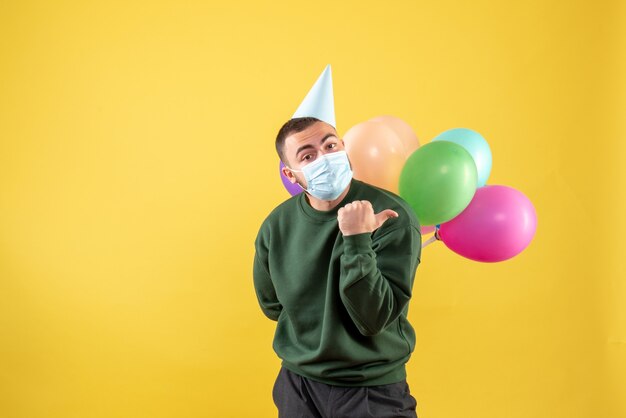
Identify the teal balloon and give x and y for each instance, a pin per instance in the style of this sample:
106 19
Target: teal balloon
476 145
438 181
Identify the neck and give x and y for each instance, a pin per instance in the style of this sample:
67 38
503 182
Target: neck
326 205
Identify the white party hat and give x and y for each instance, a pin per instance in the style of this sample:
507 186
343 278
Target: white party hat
319 101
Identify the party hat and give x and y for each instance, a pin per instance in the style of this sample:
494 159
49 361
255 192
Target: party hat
319 101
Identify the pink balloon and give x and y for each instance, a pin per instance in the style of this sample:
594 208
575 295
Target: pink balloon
498 224
429 229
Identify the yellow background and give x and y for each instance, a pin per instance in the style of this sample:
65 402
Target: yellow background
137 163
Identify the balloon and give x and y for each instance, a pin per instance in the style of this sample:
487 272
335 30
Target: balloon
293 189
376 154
428 229
498 224
403 130
475 144
438 181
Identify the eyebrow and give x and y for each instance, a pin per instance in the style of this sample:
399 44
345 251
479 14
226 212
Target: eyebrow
311 146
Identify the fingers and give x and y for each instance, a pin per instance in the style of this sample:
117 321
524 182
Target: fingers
367 205
389 213
382 217
358 216
357 204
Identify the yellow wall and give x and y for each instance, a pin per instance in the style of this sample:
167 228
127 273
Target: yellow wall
137 163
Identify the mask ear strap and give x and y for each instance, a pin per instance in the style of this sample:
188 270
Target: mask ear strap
299 171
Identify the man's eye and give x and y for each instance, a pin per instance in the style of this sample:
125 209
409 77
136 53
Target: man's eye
331 146
307 157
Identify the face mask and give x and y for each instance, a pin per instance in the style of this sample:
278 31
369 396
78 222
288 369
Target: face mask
328 176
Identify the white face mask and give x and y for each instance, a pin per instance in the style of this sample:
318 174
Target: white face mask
328 176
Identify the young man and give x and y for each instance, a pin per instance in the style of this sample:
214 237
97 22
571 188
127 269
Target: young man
334 266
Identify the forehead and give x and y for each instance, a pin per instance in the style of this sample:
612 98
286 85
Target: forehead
311 135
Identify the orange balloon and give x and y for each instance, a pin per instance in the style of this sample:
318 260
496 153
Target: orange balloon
376 154
403 130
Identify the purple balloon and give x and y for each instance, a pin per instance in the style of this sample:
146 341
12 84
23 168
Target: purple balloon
293 189
498 224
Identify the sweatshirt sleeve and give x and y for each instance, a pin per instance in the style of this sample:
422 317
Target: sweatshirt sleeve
263 286
377 277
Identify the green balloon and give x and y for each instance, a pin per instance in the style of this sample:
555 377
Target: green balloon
438 180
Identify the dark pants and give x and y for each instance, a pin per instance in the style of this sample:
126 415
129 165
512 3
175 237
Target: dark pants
299 397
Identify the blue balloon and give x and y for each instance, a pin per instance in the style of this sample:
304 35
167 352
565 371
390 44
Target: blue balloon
475 144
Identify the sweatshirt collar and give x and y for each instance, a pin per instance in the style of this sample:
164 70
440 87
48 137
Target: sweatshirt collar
327 215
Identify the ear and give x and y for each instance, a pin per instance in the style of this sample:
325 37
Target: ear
287 173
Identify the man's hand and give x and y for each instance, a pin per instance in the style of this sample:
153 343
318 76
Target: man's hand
358 217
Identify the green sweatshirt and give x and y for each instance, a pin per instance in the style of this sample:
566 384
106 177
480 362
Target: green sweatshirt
340 303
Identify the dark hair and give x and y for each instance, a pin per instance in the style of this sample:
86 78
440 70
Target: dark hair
292 126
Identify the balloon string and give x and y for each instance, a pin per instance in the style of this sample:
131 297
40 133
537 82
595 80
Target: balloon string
432 239
429 241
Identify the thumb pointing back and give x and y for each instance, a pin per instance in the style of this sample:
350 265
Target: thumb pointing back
383 216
